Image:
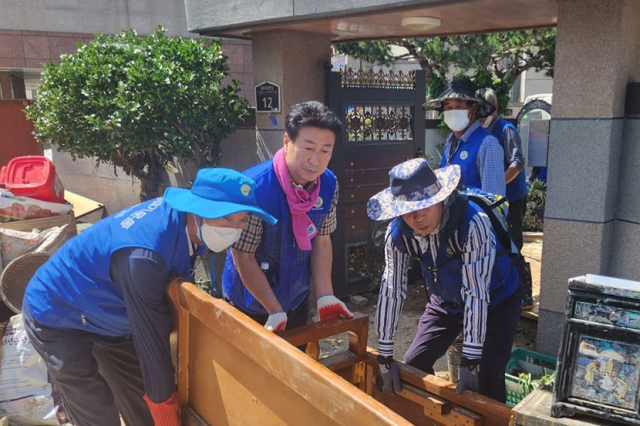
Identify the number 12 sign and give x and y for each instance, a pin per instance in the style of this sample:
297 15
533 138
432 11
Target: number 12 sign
267 97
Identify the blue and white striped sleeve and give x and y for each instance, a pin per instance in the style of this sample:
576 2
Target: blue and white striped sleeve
478 257
491 166
393 291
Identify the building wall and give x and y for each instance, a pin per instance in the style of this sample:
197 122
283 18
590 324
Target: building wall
33 32
206 13
93 16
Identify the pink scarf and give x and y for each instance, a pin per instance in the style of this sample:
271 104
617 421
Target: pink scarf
300 202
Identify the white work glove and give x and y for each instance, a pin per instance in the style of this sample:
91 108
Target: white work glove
329 307
277 321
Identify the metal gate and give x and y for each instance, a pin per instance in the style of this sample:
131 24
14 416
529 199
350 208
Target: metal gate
383 125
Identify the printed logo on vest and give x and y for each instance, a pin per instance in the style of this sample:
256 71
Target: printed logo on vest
245 189
464 155
449 251
311 229
319 203
139 214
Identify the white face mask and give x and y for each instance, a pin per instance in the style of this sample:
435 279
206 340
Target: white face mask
487 122
218 238
457 119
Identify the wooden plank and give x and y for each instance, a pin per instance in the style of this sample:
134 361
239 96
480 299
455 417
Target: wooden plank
366 178
320 330
341 360
531 315
380 162
182 316
441 419
466 417
82 206
495 413
360 195
44 223
240 373
426 399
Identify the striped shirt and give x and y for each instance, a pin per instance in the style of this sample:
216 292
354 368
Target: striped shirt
478 257
490 161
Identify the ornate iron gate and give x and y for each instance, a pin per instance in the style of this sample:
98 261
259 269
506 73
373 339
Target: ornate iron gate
383 125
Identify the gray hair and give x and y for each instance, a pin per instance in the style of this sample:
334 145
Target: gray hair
490 96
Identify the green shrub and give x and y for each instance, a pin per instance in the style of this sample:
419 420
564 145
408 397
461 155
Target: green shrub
536 199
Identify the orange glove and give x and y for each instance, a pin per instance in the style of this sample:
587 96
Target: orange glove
164 413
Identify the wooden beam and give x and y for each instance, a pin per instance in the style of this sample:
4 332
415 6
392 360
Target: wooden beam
424 398
494 412
320 330
466 417
232 358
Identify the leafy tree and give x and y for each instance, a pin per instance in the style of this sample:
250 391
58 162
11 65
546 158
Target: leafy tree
139 103
494 59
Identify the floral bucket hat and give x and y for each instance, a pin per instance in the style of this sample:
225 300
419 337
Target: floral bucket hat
414 185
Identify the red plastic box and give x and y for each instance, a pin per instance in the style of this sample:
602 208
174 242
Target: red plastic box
34 176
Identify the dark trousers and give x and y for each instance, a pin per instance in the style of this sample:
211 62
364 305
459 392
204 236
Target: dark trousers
98 380
515 218
517 211
437 329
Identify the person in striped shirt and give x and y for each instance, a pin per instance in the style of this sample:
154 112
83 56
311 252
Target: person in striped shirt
470 277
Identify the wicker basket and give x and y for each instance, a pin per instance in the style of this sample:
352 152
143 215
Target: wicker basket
15 277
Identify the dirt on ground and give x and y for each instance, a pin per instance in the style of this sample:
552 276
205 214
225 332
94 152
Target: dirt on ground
414 307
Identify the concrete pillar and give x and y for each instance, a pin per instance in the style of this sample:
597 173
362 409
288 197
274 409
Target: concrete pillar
596 56
295 61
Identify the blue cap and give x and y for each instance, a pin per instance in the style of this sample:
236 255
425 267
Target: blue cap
217 193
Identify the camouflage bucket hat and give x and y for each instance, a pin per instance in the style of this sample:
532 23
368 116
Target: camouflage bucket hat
461 89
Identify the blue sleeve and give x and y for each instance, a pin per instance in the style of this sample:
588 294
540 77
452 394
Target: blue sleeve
142 276
491 166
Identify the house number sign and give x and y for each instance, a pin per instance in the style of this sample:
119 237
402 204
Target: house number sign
267 97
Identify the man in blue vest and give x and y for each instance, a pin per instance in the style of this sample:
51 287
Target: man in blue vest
269 271
97 310
472 282
516 181
469 145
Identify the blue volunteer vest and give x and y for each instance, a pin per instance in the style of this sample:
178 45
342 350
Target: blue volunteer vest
73 289
289 274
467 158
517 188
445 281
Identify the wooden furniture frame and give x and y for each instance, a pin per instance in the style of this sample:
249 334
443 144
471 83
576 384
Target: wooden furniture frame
232 371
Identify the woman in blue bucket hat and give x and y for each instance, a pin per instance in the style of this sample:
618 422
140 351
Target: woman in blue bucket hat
472 283
97 310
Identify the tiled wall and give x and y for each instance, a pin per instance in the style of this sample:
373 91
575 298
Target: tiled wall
28 50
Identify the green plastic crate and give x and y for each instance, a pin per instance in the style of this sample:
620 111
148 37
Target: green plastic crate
530 362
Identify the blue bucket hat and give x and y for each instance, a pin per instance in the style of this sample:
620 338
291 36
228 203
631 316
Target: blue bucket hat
217 193
413 186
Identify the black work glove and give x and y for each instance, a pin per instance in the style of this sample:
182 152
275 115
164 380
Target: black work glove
467 378
388 379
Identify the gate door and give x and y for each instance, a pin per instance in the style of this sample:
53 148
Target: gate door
383 125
